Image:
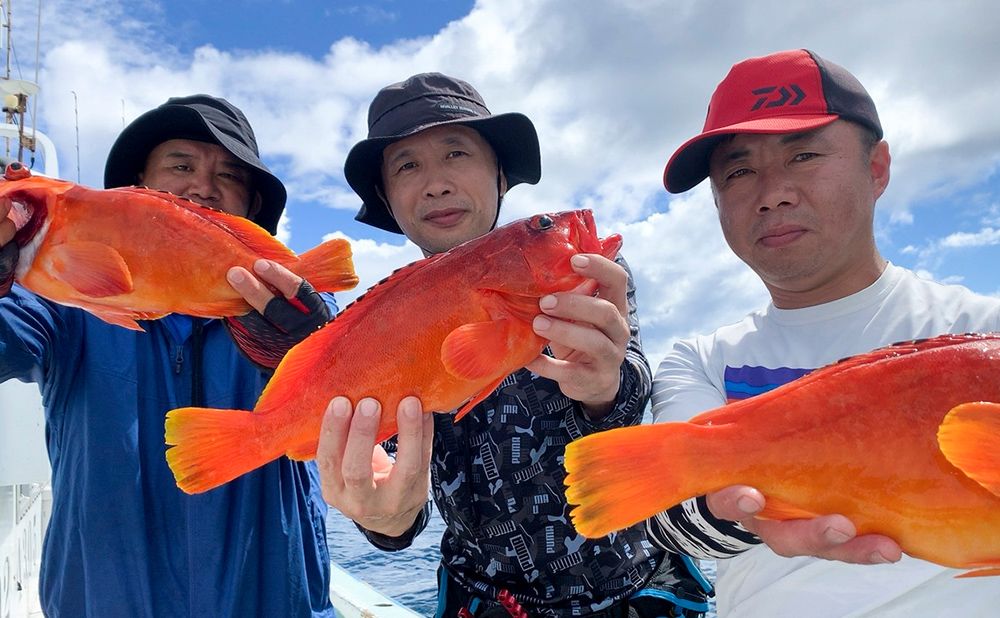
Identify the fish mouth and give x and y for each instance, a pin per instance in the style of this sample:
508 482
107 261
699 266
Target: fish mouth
586 238
19 212
27 213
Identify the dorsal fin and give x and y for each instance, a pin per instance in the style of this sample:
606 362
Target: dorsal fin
895 350
254 237
299 365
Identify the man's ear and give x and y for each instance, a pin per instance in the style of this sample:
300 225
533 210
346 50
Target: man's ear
879 167
255 205
501 182
381 196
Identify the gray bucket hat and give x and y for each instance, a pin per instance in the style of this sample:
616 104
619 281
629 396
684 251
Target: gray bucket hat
424 101
203 118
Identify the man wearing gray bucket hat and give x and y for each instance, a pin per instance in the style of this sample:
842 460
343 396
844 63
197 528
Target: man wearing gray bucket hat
435 167
123 540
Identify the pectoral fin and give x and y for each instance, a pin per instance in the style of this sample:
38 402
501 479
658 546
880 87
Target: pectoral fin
987 572
969 437
474 351
92 268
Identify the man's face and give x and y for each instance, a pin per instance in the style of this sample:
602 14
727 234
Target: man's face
798 208
441 185
202 172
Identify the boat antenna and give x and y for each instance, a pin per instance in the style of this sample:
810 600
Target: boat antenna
76 123
34 102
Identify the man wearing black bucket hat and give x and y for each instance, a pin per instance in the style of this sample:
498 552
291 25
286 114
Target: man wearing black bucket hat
435 167
123 540
792 146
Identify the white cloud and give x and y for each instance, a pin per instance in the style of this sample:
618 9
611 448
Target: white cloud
612 90
373 261
984 237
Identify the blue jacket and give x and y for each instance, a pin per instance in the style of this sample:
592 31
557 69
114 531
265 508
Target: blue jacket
122 539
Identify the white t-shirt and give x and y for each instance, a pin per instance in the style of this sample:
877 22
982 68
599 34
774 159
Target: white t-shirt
774 346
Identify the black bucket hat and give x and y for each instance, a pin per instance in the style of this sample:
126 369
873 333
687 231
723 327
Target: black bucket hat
427 100
203 118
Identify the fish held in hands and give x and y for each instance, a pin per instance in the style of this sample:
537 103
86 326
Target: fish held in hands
447 329
132 253
904 441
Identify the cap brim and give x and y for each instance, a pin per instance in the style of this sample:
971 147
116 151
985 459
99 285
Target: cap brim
512 137
127 157
689 164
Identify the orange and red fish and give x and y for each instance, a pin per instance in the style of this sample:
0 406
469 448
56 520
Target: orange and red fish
904 441
135 254
447 329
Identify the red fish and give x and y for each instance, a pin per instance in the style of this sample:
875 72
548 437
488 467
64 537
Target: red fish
447 329
903 441
135 254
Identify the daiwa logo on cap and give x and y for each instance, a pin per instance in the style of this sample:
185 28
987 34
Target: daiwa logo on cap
782 97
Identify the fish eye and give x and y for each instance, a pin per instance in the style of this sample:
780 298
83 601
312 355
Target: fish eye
544 222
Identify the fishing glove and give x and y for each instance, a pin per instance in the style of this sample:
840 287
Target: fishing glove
265 339
8 261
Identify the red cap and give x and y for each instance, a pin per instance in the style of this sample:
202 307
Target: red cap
785 92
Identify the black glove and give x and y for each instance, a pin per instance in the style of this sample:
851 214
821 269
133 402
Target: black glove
8 262
265 339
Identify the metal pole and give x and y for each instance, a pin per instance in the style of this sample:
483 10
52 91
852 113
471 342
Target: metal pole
76 122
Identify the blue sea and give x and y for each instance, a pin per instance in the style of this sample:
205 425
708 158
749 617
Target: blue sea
409 576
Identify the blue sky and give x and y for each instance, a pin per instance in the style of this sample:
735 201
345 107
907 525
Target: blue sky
612 89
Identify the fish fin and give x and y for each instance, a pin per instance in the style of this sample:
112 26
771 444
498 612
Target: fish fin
481 395
212 447
735 410
780 510
304 452
989 571
623 476
217 308
117 319
611 245
969 437
328 267
473 351
251 235
91 268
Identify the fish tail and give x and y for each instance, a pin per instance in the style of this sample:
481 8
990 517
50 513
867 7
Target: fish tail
328 267
623 476
212 446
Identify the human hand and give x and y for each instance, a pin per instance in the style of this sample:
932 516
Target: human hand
360 479
588 336
832 537
277 322
9 250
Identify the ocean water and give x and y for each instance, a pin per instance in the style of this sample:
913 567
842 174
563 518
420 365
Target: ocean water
410 575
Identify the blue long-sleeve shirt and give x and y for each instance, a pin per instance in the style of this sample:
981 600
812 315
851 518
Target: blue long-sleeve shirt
123 540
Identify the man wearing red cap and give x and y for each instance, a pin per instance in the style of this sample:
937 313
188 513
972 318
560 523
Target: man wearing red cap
793 149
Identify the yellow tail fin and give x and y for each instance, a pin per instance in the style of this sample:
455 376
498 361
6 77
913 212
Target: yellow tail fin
328 266
624 476
211 447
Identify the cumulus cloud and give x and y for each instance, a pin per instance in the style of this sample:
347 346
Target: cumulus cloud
612 90
373 261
